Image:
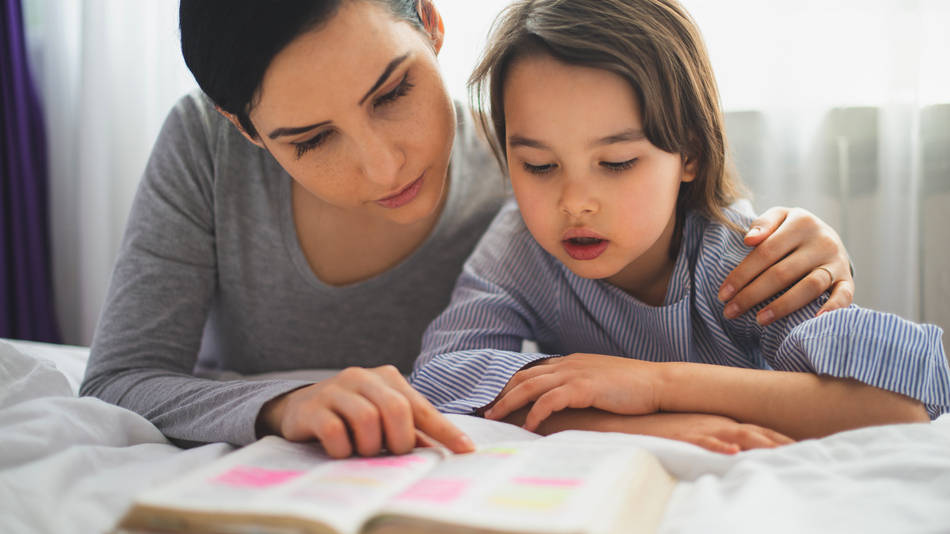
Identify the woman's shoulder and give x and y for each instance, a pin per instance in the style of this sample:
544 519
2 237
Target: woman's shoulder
195 122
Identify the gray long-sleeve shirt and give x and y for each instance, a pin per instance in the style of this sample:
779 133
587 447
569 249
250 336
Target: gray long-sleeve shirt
210 276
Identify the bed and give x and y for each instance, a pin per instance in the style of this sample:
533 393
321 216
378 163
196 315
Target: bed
72 465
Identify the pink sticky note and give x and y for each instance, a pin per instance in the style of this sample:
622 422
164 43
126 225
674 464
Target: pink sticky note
256 477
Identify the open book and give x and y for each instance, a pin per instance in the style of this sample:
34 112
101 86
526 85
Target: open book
573 483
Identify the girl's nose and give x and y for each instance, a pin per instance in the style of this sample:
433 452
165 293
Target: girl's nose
577 200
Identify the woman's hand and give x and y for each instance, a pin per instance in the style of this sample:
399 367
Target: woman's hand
794 250
610 383
713 432
361 408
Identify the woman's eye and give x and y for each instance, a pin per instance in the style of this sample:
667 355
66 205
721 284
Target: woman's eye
618 166
539 169
401 90
306 146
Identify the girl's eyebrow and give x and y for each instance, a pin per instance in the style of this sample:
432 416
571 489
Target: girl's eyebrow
520 140
626 136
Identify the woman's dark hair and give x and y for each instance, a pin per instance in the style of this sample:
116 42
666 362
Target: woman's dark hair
656 47
229 44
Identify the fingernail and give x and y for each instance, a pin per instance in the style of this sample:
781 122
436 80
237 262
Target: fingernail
754 231
765 317
464 443
732 311
489 412
726 292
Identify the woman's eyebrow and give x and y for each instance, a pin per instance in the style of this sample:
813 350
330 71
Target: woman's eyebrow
385 75
294 130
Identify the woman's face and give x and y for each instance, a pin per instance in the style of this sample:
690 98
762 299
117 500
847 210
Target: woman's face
357 112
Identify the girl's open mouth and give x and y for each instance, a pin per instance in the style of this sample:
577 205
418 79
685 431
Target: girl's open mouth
584 248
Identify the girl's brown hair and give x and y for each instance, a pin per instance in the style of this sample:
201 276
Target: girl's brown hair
655 46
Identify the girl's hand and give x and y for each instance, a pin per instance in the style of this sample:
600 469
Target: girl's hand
362 408
793 249
609 383
713 432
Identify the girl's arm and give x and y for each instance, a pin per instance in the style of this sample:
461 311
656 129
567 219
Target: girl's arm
900 359
713 432
800 405
843 370
471 351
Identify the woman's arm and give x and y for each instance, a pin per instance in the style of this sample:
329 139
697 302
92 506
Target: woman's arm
794 250
149 334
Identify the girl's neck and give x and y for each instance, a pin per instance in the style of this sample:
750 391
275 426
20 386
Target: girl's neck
647 278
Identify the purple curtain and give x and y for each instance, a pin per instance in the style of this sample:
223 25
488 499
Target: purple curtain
26 297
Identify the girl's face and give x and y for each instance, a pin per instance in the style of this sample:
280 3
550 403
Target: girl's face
593 191
357 112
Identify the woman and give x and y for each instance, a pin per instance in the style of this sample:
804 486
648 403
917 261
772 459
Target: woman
313 211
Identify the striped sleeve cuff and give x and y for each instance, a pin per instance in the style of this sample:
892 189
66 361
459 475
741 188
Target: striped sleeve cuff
464 382
877 348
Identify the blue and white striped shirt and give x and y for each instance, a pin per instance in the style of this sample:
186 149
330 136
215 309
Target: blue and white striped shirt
512 290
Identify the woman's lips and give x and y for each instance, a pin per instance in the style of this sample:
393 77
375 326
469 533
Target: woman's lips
403 197
582 244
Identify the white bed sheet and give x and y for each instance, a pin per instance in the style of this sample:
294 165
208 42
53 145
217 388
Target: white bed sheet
72 465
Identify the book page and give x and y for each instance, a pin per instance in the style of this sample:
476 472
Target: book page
535 487
275 478
486 431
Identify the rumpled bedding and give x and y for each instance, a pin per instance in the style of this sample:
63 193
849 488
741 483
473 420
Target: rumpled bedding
73 465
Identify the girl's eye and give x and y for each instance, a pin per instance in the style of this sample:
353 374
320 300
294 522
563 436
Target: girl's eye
306 146
539 169
618 166
400 91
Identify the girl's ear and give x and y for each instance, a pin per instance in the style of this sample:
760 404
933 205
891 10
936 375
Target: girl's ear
690 168
432 21
237 124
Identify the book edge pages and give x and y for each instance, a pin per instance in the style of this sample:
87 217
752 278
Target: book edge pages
143 518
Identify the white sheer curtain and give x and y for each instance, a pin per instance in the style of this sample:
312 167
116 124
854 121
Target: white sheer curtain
843 107
838 106
108 72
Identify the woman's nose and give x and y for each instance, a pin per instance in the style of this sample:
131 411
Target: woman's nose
382 158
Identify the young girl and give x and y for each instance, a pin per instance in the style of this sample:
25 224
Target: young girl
606 112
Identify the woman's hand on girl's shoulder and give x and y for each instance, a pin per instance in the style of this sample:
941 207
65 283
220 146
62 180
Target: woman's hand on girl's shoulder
363 410
794 250
609 383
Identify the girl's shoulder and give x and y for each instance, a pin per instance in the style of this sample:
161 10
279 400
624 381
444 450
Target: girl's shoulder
508 245
712 242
